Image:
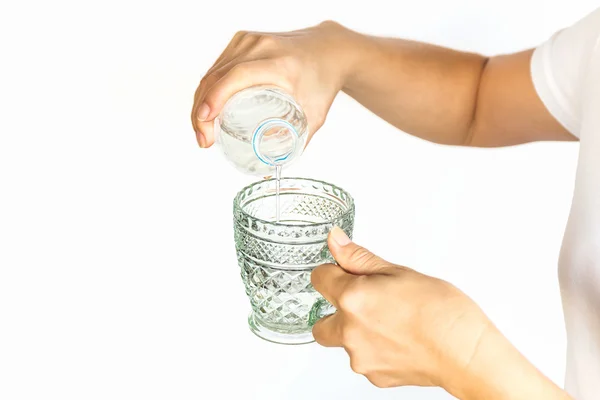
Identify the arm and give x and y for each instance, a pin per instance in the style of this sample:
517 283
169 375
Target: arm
401 327
498 370
447 96
435 93
438 94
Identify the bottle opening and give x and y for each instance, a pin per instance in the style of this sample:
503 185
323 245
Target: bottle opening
274 141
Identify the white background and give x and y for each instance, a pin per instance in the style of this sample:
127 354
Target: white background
118 278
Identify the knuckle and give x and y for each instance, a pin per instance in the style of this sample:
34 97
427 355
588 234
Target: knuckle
357 366
349 338
209 79
379 381
317 332
346 300
315 276
239 35
266 42
352 298
329 23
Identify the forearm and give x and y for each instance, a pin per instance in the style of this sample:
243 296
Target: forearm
498 371
447 96
424 90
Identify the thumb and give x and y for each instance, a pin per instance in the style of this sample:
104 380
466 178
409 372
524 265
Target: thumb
352 257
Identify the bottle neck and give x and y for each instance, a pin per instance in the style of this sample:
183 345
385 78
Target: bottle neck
274 141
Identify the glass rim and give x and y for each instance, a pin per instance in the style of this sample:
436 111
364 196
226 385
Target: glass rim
342 216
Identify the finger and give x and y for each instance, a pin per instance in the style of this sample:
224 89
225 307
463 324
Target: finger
232 50
214 75
205 134
242 48
327 331
200 91
237 52
205 129
241 76
330 280
352 257
204 126
233 43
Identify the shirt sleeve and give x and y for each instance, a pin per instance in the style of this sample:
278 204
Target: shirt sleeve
559 68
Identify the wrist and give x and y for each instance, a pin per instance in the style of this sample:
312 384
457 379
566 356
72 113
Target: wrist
345 53
466 381
469 331
497 370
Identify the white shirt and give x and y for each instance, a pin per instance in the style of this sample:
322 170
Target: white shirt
566 74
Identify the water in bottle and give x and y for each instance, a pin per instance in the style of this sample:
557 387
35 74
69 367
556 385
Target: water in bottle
261 128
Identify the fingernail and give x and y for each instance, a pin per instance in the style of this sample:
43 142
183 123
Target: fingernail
202 140
203 112
339 236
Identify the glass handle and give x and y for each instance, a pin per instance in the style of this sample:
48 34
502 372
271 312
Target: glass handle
321 308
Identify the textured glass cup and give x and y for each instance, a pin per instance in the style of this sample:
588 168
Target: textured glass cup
277 258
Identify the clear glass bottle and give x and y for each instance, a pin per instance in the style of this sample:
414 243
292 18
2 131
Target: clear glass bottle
259 128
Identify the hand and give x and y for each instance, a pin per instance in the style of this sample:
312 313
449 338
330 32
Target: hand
309 64
401 327
398 326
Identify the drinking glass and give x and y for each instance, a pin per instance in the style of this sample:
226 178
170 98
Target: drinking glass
276 257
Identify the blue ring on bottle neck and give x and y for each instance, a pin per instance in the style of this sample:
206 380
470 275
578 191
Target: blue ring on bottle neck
262 128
